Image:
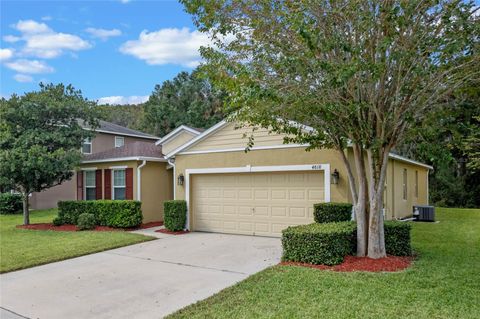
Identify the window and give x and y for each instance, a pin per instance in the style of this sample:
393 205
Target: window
119 141
404 184
87 146
119 184
90 188
416 184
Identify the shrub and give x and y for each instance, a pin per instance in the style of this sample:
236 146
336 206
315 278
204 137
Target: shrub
57 221
332 212
86 221
397 238
113 213
326 243
11 203
175 214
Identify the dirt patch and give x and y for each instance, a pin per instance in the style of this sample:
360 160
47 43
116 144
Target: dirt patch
169 232
50 226
147 225
353 263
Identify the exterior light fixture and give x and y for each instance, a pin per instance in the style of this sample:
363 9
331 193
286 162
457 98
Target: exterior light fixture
180 179
335 177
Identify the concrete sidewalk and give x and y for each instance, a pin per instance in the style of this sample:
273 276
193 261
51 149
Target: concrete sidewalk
147 280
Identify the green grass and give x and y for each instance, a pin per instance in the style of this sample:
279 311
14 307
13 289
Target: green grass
21 248
444 282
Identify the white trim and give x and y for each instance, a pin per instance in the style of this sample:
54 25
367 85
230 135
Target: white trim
407 160
115 141
118 167
88 168
87 143
119 159
198 138
175 132
242 149
85 184
252 169
139 180
172 163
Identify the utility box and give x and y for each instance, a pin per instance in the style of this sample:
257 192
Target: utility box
424 213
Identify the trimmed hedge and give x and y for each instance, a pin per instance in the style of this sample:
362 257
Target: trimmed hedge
397 238
113 213
332 212
175 214
329 243
10 203
316 243
86 221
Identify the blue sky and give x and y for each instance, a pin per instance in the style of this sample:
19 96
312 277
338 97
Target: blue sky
115 51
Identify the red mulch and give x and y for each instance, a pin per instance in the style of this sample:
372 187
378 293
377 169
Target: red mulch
166 231
353 263
50 226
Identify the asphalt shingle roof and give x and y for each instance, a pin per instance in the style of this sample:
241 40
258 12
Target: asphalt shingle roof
135 149
118 129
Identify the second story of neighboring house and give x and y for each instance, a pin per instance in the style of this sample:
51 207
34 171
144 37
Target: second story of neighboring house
109 135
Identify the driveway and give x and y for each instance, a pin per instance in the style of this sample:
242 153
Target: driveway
148 280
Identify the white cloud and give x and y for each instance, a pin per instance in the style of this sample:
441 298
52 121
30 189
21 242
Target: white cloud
23 78
46 18
41 41
167 46
6 54
29 66
11 38
134 99
125 1
103 34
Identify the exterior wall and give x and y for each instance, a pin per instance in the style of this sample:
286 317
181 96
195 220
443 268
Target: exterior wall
178 140
103 166
67 191
103 141
156 187
289 156
50 197
229 137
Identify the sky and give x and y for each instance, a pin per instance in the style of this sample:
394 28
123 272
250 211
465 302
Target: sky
114 51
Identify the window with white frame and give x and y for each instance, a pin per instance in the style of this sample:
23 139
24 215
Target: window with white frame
119 185
90 185
119 141
87 146
404 184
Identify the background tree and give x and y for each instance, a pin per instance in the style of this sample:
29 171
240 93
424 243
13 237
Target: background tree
129 115
355 71
187 99
41 137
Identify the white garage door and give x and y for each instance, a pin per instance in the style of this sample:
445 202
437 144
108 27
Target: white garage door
254 203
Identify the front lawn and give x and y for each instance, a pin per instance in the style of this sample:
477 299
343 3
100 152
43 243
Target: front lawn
443 283
20 248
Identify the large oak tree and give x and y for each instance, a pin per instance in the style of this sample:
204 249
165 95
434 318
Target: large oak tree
359 72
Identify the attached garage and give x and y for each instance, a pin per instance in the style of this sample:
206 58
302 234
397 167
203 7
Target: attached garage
262 203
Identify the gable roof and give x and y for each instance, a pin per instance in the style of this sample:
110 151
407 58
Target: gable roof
223 123
178 130
132 151
112 128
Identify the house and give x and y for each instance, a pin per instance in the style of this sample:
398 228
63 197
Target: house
228 190
107 136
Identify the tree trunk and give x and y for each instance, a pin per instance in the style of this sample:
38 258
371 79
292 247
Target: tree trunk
26 212
361 205
376 236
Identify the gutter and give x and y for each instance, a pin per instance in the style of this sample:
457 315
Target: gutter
171 161
139 180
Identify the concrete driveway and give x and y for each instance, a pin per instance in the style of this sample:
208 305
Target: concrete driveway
148 280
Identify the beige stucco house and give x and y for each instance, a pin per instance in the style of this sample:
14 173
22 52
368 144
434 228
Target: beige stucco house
228 190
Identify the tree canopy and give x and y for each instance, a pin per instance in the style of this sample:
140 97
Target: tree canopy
41 136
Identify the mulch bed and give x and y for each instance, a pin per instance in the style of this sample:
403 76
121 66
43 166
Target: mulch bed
50 226
353 263
166 231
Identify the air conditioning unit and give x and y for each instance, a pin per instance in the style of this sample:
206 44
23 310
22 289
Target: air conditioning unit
423 213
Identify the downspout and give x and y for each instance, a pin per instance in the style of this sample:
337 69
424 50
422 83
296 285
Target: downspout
139 180
172 162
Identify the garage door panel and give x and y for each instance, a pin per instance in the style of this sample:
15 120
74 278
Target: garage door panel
254 203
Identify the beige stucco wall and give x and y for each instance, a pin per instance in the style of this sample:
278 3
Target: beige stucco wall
50 197
178 140
288 156
156 187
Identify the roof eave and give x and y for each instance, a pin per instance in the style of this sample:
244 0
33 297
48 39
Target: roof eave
123 159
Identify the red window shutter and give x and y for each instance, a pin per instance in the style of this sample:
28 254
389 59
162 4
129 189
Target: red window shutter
80 185
108 183
98 184
129 183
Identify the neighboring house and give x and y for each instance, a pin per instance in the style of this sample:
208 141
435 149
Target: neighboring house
228 190
108 136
